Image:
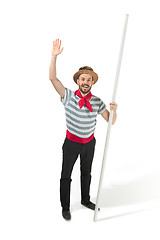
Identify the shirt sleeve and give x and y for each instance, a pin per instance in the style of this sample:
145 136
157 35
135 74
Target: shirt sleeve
102 107
67 96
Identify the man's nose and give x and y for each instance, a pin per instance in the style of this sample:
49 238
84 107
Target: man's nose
85 82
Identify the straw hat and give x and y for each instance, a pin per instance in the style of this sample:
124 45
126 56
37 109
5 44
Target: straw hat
87 70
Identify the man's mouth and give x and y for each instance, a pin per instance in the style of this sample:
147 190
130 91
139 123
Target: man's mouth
85 86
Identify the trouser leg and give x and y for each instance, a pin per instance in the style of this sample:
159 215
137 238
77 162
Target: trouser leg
70 156
86 158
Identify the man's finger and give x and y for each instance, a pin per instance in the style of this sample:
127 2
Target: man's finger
61 49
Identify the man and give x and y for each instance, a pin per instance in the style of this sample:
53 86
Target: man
81 109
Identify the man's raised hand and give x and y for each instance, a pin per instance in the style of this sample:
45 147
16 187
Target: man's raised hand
56 50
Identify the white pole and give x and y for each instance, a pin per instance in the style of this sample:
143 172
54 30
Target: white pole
111 115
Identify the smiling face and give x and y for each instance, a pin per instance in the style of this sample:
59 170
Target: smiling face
85 82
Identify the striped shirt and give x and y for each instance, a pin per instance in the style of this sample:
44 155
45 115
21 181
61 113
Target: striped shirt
81 122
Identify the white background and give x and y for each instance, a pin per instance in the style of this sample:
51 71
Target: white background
32 120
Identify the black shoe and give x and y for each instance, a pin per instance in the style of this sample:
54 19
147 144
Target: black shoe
66 215
89 205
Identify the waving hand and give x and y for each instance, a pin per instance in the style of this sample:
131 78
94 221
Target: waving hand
56 50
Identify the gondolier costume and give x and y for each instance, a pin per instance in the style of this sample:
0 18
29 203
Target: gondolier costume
81 113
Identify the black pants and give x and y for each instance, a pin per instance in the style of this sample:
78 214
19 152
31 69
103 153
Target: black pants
71 151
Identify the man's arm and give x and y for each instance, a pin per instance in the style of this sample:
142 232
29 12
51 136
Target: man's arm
52 69
106 113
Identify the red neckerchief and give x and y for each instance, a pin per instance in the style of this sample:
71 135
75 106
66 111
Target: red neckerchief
84 100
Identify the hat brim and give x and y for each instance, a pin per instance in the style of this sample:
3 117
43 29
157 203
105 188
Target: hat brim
92 73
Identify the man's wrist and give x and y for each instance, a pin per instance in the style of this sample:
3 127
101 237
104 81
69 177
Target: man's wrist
54 56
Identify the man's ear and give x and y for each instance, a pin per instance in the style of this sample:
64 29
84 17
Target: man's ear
77 80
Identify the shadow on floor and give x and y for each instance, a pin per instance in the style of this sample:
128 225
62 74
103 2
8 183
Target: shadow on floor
141 190
138 192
